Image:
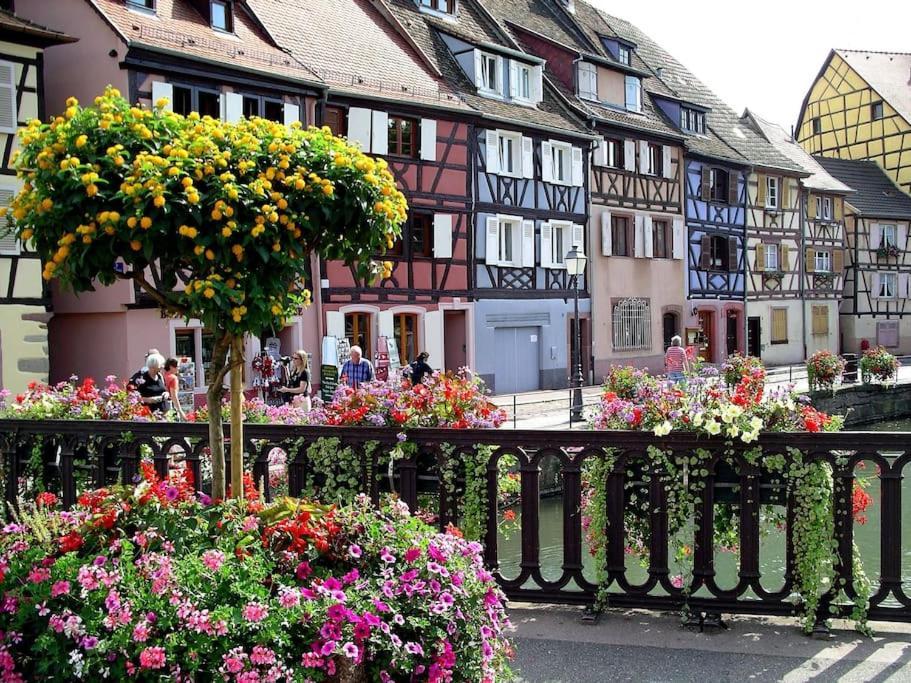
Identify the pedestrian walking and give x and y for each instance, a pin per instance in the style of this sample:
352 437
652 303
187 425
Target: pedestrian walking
357 370
150 384
418 369
297 387
675 361
172 384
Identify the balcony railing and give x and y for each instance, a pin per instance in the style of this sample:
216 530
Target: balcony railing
69 455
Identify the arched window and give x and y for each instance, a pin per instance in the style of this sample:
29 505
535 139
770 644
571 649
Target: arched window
632 325
670 324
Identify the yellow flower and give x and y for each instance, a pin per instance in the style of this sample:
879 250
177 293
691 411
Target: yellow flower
208 292
210 255
131 222
276 309
91 190
135 245
72 102
47 203
145 223
186 181
161 102
198 249
81 140
158 201
226 232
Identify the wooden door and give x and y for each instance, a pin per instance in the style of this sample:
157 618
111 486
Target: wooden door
708 346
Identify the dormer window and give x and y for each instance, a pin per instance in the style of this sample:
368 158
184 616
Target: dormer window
443 6
220 15
692 121
633 93
490 79
623 54
143 5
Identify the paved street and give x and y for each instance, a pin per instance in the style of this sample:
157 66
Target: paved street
554 646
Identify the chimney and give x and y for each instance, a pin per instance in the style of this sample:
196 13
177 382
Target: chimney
569 5
659 72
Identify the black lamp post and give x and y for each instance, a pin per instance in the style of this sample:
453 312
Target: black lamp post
575 262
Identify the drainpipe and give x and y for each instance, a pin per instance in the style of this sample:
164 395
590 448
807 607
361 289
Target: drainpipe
801 205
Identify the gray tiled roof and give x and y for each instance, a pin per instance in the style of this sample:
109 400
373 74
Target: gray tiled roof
727 138
887 73
819 178
472 21
875 195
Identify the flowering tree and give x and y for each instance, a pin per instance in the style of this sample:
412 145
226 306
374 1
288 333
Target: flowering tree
213 220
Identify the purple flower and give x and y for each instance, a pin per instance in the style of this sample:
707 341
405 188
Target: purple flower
350 650
355 551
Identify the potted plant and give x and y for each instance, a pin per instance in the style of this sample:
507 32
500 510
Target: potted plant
737 366
888 251
878 364
824 369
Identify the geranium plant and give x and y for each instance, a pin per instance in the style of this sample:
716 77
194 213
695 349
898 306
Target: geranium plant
213 220
824 370
879 364
736 366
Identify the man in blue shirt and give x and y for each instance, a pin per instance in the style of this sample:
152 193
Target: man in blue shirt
357 370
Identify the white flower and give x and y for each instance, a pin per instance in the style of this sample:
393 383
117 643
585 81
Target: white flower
713 427
698 419
663 429
756 423
749 437
733 431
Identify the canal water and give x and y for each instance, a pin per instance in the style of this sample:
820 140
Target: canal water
772 540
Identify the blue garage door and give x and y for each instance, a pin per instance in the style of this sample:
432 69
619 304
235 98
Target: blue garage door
518 366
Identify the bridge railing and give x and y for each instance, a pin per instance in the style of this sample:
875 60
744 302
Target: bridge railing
68 456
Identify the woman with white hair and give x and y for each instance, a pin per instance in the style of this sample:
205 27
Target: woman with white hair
150 383
675 361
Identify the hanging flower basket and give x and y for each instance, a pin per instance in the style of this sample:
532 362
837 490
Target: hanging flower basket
824 370
878 364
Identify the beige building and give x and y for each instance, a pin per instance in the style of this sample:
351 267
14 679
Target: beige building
24 303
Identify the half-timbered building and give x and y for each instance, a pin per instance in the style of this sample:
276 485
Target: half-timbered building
859 107
876 307
213 57
24 301
529 157
819 257
394 103
636 223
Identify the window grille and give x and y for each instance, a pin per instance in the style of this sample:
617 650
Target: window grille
632 325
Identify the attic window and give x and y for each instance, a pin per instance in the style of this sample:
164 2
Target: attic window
145 5
623 54
817 125
444 6
876 111
692 121
220 15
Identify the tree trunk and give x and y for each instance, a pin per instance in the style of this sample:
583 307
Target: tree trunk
213 402
237 417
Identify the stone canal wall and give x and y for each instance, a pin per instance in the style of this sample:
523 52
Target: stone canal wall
866 404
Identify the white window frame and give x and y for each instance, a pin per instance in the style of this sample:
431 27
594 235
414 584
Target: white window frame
140 6
822 262
227 8
197 328
524 78
889 235
588 81
562 150
888 286
558 256
637 83
515 240
630 332
497 89
624 54
772 263
515 140
654 159
614 152
434 7
827 208
771 192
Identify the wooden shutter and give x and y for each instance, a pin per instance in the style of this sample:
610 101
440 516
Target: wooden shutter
779 325
759 259
820 320
839 208
838 261
706 184
705 256
513 78
648 236
577 176
666 169
547 245
528 158
733 265
528 244
599 153
291 113
379 138
359 120
784 258
760 189
811 206
733 191
638 236
629 155
492 250
901 235
385 324
876 235
232 105
433 338
537 77
547 162
874 285
429 139
643 156
810 260
903 286
607 237
784 191
679 248
492 155
9 117
442 235
161 89
335 324
578 236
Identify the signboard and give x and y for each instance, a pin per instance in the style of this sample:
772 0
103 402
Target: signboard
335 353
328 381
394 361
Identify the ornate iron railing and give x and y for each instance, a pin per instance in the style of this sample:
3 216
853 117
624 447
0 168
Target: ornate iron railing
100 453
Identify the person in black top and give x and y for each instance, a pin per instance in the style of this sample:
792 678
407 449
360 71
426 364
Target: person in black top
150 384
297 389
418 369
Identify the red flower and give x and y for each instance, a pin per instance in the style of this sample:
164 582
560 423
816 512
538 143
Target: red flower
46 499
860 501
72 541
509 515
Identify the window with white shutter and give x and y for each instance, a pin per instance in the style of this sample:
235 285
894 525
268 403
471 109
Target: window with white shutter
588 81
9 245
8 113
442 235
561 155
359 122
633 93
528 244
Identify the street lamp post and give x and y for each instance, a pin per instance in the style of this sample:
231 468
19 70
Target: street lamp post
575 266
